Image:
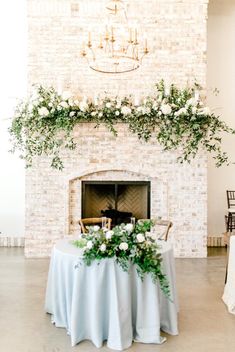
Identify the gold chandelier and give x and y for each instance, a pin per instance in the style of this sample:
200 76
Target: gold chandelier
118 49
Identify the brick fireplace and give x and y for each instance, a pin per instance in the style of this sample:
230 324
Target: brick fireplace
177 33
178 192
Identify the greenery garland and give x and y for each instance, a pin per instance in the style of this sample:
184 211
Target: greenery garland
177 119
127 244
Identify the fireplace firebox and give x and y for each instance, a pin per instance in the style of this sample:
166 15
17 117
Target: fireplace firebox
118 200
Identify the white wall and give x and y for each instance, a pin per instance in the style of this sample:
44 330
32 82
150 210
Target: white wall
221 74
13 85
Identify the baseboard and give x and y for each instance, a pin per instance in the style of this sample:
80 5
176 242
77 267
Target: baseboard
6 241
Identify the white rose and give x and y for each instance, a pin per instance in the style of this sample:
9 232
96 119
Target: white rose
125 110
117 113
103 247
140 237
166 109
66 95
43 111
96 228
83 106
72 113
108 105
100 114
128 227
64 104
123 246
89 244
109 234
50 104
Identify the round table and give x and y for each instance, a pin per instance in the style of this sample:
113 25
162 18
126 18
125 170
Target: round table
102 302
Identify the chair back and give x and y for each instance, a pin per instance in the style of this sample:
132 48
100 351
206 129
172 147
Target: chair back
160 228
94 221
231 199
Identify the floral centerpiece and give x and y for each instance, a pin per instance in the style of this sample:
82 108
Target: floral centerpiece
177 118
127 244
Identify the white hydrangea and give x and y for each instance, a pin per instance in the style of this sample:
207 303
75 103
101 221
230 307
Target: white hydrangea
43 111
103 247
166 109
125 110
123 246
140 237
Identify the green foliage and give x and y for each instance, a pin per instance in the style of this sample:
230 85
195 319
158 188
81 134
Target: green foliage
44 124
127 244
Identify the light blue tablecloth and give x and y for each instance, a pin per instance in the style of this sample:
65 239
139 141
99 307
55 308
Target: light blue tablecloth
102 302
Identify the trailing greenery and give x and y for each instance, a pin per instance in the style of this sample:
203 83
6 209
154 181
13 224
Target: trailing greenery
127 244
176 118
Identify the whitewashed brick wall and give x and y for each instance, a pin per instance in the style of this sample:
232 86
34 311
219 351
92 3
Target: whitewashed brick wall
177 36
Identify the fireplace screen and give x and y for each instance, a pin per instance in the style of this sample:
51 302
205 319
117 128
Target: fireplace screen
116 199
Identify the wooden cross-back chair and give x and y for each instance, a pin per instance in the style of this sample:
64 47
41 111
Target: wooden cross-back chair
231 210
161 228
94 221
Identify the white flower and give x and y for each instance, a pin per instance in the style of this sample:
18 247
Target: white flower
123 246
117 113
140 237
43 111
89 244
64 104
50 104
83 106
71 102
30 107
108 105
96 228
128 227
166 109
194 110
181 112
125 110
66 95
103 247
191 101
76 102
206 111
109 234
72 113
100 114
93 113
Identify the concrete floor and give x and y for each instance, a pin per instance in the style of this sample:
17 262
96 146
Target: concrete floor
204 323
